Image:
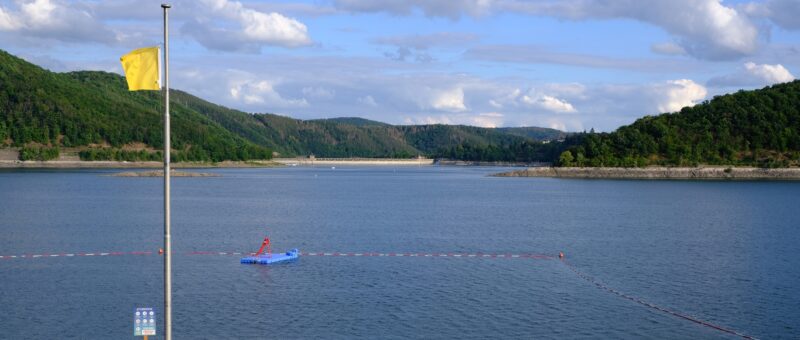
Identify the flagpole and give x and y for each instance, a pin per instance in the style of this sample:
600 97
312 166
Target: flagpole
167 241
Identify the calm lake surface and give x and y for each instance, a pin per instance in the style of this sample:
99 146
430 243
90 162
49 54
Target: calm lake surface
724 252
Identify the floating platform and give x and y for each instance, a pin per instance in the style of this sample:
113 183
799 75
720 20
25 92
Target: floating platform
272 258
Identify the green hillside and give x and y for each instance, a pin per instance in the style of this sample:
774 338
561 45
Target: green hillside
41 111
94 111
759 128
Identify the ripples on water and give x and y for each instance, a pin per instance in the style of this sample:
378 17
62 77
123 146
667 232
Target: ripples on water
725 252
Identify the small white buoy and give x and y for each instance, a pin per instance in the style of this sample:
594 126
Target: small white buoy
333 168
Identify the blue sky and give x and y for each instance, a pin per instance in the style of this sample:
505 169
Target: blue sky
571 65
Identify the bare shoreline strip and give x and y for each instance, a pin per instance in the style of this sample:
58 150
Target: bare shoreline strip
699 173
354 161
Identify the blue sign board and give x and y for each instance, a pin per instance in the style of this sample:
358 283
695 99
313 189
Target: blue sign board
144 322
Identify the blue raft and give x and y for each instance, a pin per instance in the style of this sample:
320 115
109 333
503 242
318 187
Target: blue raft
272 258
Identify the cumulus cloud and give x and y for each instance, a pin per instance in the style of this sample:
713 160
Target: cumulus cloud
676 94
549 103
752 74
539 100
46 19
607 106
451 100
211 27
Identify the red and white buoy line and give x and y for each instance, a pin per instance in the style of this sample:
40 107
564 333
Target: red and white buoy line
653 306
51 255
423 255
345 254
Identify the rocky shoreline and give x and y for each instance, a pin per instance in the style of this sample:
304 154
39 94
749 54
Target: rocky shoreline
698 173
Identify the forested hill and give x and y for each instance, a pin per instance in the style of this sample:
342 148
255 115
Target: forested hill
39 107
42 111
760 128
95 112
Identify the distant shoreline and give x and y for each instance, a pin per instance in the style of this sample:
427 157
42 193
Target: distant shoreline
277 162
696 173
354 161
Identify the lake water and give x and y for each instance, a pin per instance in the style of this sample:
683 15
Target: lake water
723 252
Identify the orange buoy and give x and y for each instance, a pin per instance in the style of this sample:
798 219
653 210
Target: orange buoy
160 251
561 255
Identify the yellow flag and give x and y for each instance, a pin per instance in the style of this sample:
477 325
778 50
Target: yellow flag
142 69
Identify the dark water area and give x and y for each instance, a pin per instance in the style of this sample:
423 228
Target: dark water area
724 252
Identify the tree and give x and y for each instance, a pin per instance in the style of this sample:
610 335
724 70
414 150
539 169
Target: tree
566 158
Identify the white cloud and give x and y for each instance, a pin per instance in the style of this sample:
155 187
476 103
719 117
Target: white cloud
770 73
261 92
540 100
607 106
752 74
548 103
488 119
211 27
410 94
449 100
367 100
45 19
676 94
